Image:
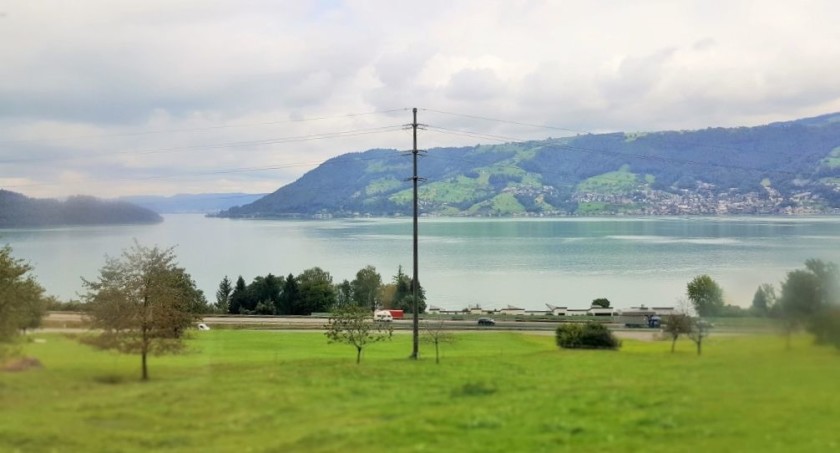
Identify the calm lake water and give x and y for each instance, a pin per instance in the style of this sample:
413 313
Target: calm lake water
527 263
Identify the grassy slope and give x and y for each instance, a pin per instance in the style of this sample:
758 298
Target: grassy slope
269 391
614 182
833 158
462 189
382 185
455 190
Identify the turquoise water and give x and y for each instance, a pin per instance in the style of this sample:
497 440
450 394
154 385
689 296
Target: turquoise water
527 262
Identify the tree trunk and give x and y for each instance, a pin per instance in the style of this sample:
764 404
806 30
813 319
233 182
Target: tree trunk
143 361
437 352
144 329
699 345
673 344
358 355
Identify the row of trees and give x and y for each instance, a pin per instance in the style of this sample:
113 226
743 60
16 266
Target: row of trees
808 299
313 291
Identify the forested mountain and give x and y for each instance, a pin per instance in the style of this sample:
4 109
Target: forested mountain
191 203
781 168
17 210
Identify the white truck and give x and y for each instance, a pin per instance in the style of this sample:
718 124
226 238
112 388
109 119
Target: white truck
383 316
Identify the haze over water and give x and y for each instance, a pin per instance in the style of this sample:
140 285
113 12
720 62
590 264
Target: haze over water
492 262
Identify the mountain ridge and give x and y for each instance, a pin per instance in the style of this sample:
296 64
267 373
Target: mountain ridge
790 167
19 211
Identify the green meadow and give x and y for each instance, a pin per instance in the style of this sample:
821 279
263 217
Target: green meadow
268 391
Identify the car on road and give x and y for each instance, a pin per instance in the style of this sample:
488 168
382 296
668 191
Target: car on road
486 322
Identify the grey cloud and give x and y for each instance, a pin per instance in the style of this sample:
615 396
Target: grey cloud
165 59
704 44
400 69
636 77
475 85
554 87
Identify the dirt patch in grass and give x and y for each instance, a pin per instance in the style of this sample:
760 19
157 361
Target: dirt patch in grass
21 364
638 335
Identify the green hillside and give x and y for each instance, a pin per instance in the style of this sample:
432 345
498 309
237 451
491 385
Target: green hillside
781 168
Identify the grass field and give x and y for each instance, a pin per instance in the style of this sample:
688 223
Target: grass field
507 392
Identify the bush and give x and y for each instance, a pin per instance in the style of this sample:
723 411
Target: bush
591 335
826 328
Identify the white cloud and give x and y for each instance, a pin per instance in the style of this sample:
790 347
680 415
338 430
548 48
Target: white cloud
137 97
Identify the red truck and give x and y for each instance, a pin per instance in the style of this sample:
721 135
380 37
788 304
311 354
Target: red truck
397 314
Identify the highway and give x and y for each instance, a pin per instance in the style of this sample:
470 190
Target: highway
75 321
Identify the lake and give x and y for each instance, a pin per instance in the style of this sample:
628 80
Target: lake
491 262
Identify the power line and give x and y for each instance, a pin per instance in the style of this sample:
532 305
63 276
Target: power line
497 120
498 138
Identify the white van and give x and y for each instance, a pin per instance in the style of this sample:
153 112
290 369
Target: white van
383 316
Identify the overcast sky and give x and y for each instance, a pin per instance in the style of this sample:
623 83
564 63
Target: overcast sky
111 97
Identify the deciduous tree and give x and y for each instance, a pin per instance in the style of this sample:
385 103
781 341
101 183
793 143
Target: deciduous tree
827 327
142 303
434 333
601 302
354 325
344 294
22 301
764 299
698 332
265 294
317 291
366 288
808 298
676 324
706 296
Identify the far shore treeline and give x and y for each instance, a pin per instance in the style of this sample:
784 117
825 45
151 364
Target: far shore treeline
20 211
